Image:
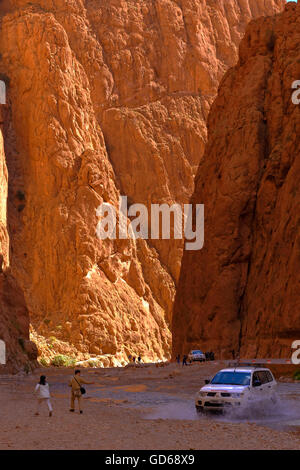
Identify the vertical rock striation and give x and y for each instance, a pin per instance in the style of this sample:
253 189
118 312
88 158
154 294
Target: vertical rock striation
241 292
107 98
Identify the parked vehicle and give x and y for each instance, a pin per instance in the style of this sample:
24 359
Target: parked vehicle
196 355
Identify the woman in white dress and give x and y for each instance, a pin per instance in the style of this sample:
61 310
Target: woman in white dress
43 395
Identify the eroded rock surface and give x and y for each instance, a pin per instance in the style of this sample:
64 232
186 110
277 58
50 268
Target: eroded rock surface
14 315
106 97
241 292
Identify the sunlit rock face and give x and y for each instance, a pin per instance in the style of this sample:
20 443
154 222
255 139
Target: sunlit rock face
241 292
106 98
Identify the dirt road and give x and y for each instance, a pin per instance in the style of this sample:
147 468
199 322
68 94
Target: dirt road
146 408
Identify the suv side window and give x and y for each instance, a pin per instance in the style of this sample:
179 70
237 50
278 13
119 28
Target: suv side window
255 378
263 376
269 375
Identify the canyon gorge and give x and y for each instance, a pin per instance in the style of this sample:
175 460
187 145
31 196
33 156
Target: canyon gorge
112 97
240 294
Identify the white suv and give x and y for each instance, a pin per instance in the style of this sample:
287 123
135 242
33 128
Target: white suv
196 355
236 386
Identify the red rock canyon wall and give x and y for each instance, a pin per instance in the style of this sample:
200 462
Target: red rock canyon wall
106 97
241 292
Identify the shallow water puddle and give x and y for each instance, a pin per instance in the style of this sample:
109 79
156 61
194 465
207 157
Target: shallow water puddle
284 415
160 403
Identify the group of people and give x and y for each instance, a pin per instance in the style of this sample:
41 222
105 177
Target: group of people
134 359
210 356
76 383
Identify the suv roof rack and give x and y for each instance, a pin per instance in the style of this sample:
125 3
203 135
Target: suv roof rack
237 364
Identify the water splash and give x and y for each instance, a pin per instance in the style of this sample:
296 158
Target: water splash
280 414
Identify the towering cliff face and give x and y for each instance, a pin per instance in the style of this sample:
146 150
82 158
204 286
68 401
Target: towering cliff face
107 97
14 315
173 55
242 291
87 294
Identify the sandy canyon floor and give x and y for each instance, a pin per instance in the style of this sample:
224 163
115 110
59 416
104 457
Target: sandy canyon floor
140 408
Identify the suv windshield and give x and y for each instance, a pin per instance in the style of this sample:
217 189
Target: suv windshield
232 378
196 352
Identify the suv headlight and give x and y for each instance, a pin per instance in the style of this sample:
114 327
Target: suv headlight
237 395
202 394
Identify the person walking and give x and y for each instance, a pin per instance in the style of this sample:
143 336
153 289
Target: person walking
43 395
184 363
77 390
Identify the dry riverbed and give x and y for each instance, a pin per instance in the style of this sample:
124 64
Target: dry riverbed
137 408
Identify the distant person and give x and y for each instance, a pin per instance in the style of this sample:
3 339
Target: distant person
139 359
212 356
133 359
43 395
77 390
178 358
184 363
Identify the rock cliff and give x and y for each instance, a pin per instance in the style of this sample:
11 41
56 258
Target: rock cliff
14 315
106 98
241 292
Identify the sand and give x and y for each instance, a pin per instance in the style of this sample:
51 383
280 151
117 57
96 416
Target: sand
147 408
